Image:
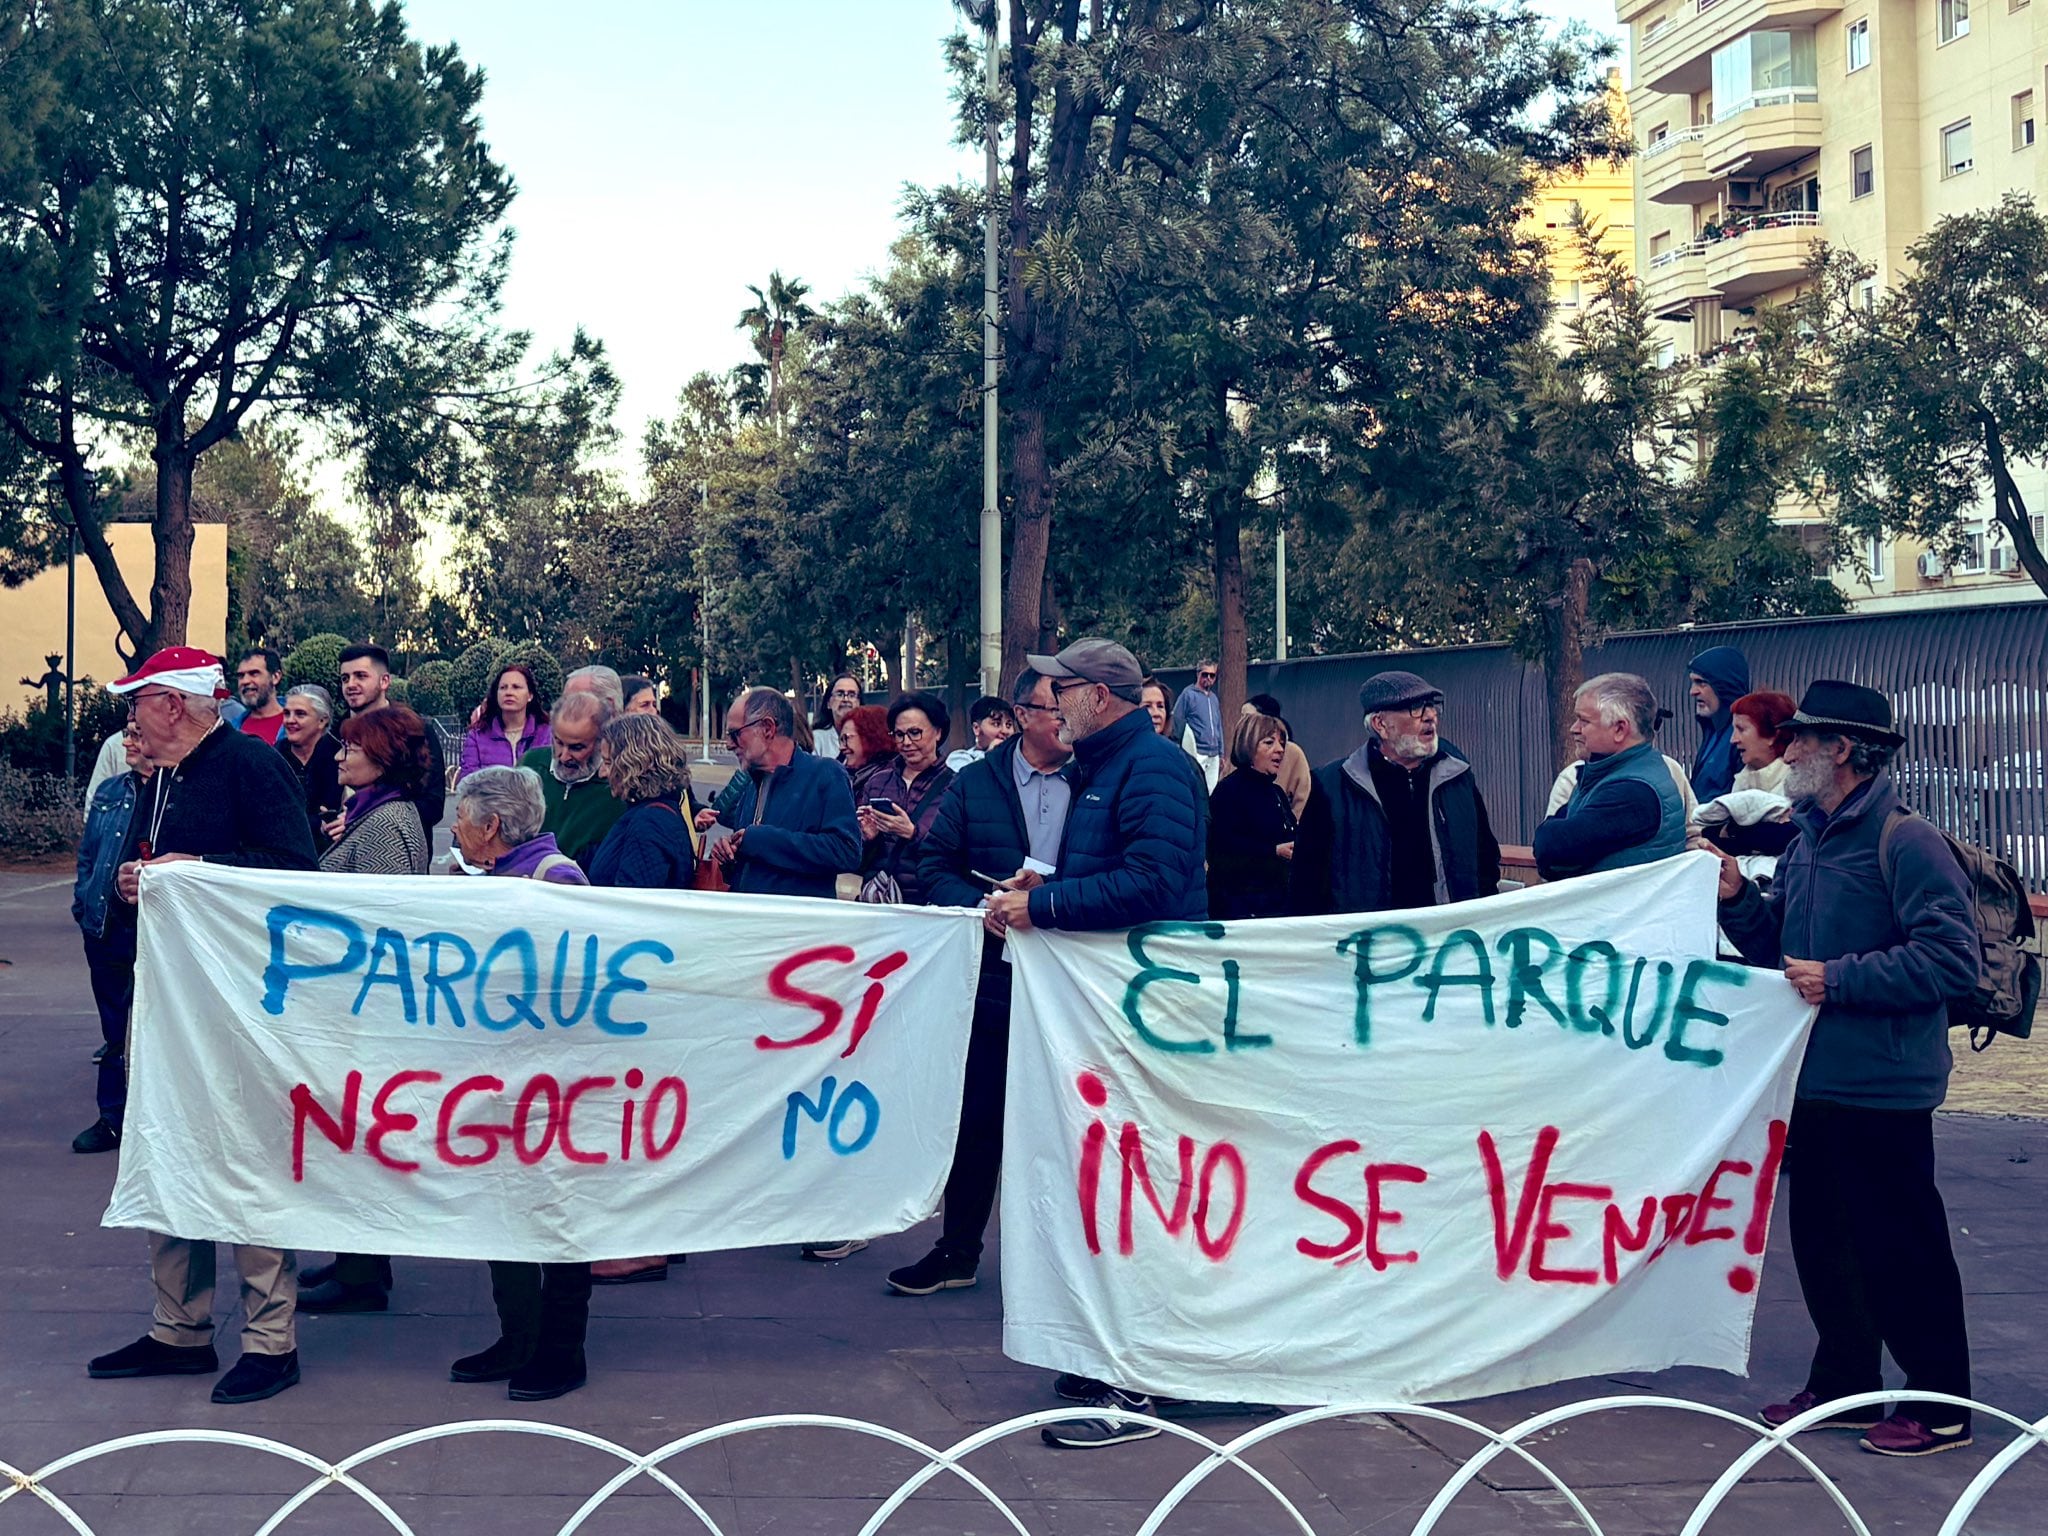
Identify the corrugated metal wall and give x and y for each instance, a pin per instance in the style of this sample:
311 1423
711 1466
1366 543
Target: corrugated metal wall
1970 686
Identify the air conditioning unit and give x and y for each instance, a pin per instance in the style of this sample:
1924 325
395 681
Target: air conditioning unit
2005 560
1932 567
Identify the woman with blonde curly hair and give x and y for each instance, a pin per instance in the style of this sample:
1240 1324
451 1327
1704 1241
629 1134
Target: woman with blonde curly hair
650 846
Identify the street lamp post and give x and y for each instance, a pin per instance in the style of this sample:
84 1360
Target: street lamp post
704 618
991 506
71 660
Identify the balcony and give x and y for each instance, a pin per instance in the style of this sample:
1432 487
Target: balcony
1676 278
1762 132
1678 58
1759 253
1671 170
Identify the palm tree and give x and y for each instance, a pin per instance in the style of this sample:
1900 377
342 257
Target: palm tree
771 317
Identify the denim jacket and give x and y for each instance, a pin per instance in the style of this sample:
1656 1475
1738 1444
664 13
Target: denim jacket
99 852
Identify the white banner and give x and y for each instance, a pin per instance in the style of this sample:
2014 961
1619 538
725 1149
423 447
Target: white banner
506 1069
1409 1156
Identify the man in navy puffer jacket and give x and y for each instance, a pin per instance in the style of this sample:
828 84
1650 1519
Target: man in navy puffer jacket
1133 854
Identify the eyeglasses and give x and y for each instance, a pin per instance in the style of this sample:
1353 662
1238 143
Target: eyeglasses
845 693
1061 690
915 733
1201 675
733 737
1043 709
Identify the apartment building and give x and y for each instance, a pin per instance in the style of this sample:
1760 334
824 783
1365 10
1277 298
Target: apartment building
1764 125
1607 194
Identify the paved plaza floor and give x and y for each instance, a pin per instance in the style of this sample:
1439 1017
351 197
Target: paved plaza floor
732 1335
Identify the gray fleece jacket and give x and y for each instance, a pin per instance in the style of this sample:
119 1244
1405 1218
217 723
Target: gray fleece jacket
1898 950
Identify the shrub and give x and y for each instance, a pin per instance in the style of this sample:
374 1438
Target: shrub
34 740
429 688
39 812
470 673
317 660
399 692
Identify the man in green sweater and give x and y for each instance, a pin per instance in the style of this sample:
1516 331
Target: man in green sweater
581 807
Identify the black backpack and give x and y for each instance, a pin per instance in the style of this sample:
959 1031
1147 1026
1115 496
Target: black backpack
2008 975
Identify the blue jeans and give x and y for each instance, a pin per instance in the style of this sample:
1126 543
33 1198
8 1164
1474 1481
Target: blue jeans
112 966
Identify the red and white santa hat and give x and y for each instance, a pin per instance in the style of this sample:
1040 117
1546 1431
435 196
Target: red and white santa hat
183 667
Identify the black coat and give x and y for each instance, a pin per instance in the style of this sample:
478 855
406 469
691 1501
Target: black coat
231 801
319 778
1343 857
1249 815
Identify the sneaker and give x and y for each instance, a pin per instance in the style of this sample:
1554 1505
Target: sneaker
151 1357
332 1295
256 1377
498 1363
1776 1414
100 1055
936 1271
1076 1388
97 1137
1903 1436
547 1375
825 1253
1088 1434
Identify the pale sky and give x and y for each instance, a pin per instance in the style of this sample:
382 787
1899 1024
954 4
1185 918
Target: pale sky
670 152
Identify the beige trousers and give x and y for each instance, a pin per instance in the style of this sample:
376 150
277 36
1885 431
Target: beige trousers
183 1272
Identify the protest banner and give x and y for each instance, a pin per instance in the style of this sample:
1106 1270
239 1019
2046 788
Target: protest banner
506 1069
1408 1156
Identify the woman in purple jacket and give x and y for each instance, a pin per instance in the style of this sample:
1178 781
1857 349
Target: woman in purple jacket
511 721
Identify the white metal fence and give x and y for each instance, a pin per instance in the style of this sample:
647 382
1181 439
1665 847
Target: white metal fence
1512 1442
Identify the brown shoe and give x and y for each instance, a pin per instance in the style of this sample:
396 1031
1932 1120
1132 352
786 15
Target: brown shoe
628 1271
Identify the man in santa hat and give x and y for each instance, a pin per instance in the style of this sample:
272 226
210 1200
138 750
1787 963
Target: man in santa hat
227 798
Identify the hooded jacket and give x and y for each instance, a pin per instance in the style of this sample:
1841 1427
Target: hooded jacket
1899 946
1714 766
1343 856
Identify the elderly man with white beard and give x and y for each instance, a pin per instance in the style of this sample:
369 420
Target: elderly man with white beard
581 806
1400 822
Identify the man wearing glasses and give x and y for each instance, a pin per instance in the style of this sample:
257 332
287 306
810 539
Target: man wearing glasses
840 701
1399 823
1131 853
1199 710
227 798
797 833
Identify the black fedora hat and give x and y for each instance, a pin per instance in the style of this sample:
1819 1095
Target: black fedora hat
1846 709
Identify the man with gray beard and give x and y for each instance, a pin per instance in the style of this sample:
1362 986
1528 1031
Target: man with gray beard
581 806
1400 822
1871 919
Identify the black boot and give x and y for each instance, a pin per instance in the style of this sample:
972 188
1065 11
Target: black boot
551 1373
498 1363
338 1296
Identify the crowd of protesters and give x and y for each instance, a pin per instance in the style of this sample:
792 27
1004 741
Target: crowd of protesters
1185 815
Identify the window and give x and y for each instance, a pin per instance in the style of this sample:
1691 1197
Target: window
1667 352
1762 69
1655 25
1956 156
1866 295
2023 120
1859 45
1660 246
1862 172
1874 550
1659 134
1569 299
1955 19
1971 562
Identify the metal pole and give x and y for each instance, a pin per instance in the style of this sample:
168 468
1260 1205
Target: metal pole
704 619
1280 586
991 507
71 661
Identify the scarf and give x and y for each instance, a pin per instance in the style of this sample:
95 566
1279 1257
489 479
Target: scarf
365 801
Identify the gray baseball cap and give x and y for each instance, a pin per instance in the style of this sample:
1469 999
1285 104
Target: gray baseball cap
1093 660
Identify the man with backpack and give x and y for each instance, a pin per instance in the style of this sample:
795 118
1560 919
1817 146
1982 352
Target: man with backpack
1873 920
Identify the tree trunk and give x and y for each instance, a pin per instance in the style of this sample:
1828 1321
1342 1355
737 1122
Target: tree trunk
1030 538
170 594
2010 508
1564 655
